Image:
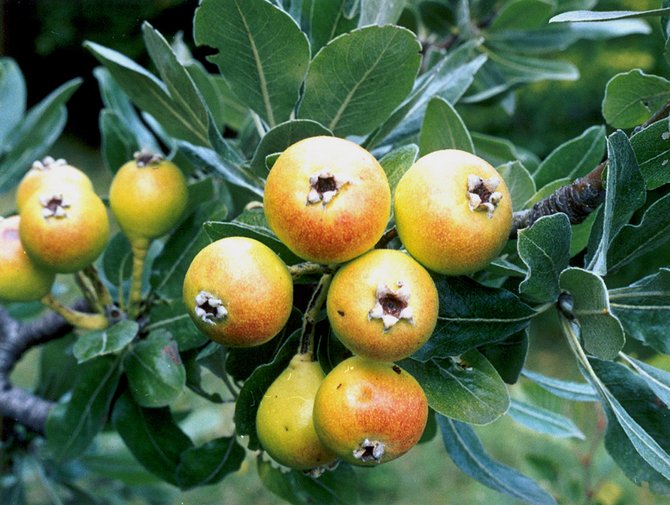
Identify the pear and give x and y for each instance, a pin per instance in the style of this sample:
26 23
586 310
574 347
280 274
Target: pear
284 418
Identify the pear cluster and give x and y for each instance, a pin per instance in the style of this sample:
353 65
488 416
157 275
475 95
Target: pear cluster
61 227
329 201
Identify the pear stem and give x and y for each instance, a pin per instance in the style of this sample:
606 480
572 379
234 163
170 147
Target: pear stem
311 316
78 319
140 247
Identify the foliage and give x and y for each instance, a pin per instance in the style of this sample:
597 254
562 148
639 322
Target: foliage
392 76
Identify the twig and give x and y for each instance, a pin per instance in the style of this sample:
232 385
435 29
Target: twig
312 313
577 200
386 238
16 403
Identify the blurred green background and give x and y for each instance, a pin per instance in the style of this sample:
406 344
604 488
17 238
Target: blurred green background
45 36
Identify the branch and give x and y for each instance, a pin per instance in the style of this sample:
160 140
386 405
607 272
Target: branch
15 339
577 200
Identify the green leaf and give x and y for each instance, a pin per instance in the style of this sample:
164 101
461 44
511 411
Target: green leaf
633 241
508 356
209 463
328 19
169 268
58 369
152 436
397 162
117 264
443 128
12 97
574 158
282 136
35 135
449 78
213 161
351 91
108 341
625 193
219 229
338 487
632 97
658 380
644 309
652 150
545 249
543 421
380 12
498 151
576 391
466 388
519 182
589 16
256 385
466 451
73 424
262 53
117 102
522 15
172 316
471 315
638 432
179 84
156 375
601 331
118 142
150 94
581 233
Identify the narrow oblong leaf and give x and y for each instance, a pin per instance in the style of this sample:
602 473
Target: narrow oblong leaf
12 96
397 162
156 374
380 12
471 315
449 78
73 424
633 241
576 391
658 380
590 16
265 67
543 421
508 356
632 97
107 341
443 128
152 436
282 136
338 487
149 94
351 91
644 309
601 331
209 463
467 452
638 435
327 20
574 158
181 87
625 193
652 150
520 183
545 249
466 388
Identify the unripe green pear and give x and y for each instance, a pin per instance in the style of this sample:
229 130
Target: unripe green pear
284 418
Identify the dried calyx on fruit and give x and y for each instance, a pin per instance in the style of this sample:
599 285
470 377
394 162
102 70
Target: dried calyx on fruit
209 308
324 186
482 193
392 306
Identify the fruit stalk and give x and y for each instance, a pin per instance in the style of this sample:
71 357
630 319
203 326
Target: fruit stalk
140 247
309 320
88 291
78 319
101 291
307 268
